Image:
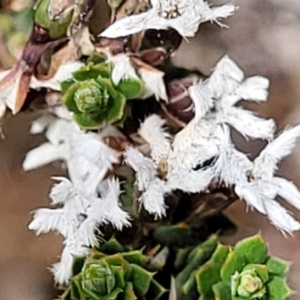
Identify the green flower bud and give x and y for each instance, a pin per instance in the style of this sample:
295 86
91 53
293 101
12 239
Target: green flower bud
94 99
91 98
113 273
98 279
247 284
221 272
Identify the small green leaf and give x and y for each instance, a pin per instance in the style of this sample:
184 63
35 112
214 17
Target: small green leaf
140 279
209 273
130 88
119 273
262 271
65 85
135 257
221 291
277 266
234 262
116 111
68 98
196 258
88 122
92 71
190 285
129 292
78 265
111 247
112 296
155 291
254 249
277 289
181 257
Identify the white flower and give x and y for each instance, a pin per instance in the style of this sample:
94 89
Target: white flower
182 15
256 183
78 219
182 166
88 159
58 132
222 90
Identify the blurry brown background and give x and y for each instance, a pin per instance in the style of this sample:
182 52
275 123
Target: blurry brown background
264 38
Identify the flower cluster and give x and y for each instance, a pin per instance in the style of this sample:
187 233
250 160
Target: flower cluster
94 129
203 150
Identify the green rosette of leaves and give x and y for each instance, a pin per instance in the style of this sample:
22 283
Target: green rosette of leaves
112 273
94 99
213 271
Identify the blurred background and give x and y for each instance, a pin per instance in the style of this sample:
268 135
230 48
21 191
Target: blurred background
263 38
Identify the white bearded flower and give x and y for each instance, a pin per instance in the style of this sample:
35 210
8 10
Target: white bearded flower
88 159
222 90
178 160
255 181
78 219
185 16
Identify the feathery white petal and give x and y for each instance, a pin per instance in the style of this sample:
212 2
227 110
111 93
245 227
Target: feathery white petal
92 218
190 181
232 165
59 131
46 220
143 166
153 198
191 14
62 191
122 69
288 191
152 131
89 146
40 124
252 196
110 192
40 156
129 25
225 78
266 163
62 270
246 123
153 84
281 218
254 88
202 97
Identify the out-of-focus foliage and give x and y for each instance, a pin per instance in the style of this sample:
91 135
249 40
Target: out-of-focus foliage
15 25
